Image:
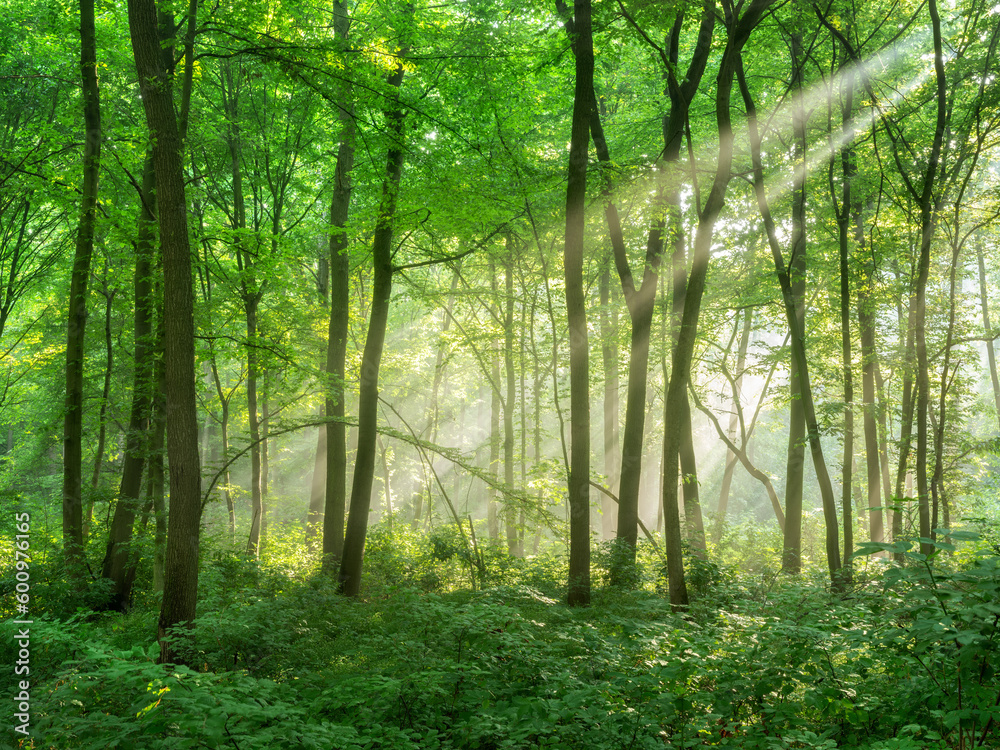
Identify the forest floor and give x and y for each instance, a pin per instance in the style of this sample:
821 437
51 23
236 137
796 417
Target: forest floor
905 659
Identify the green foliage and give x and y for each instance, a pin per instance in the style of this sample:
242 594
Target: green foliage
906 660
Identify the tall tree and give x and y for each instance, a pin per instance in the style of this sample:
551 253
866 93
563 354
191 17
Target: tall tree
117 558
336 355
371 358
798 342
640 302
72 502
576 311
738 31
180 594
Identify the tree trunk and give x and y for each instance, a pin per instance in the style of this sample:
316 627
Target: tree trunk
797 338
72 496
928 223
791 556
102 430
117 558
734 421
576 312
739 31
336 355
180 595
869 376
844 245
905 428
496 406
510 399
990 349
609 356
155 488
937 480
364 467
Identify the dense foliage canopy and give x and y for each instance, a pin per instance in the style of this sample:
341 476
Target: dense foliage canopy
349 339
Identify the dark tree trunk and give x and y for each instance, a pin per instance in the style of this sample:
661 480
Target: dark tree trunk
798 344
72 496
117 558
576 312
928 223
869 377
791 557
738 32
102 430
336 355
905 427
496 407
844 246
364 466
180 593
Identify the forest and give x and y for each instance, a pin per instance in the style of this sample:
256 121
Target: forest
492 374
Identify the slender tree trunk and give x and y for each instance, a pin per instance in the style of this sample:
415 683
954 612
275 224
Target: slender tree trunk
492 517
336 431
180 593
869 376
903 483
928 223
265 461
739 31
576 312
937 480
609 356
317 488
364 467
72 496
990 349
640 301
155 488
798 344
102 430
117 558
791 557
734 421
844 242
250 293
510 399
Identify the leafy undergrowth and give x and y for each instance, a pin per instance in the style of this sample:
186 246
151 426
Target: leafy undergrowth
904 660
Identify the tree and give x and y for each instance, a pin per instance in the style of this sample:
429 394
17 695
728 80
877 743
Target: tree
738 31
180 594
76 327
576 196
364 466
336 436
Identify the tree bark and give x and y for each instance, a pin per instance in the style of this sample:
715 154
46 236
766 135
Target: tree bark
928 223
336 354
738 32
72 495
364 467
510 398
990 349
869 377
844 246
734 420
180 593
576 311
117 557
798 345
609 356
